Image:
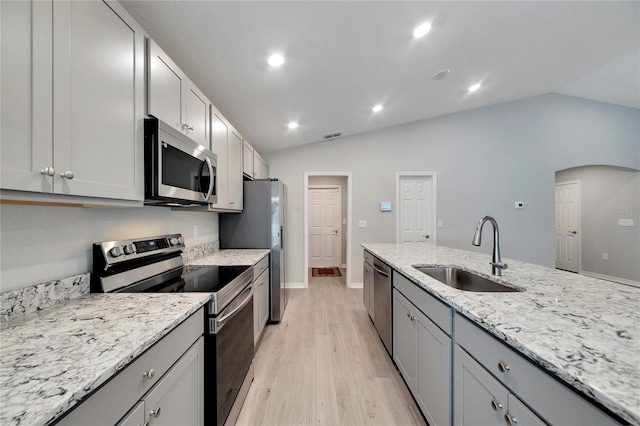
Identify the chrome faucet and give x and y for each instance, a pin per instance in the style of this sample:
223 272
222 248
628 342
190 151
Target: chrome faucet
496 263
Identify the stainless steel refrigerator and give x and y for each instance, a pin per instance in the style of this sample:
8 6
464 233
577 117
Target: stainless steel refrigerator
261 225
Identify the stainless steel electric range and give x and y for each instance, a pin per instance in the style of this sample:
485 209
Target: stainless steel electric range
155 265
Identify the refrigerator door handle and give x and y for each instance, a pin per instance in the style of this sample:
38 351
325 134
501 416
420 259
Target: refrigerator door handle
281 237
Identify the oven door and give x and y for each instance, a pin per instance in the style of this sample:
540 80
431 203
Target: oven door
183 172
228 352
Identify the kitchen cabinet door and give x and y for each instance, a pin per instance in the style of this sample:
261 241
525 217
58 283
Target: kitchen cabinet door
234 171
257 165
98 102
26 116
260 301
197 118
166 87
247 159
178 399
135 417
405 341
219 146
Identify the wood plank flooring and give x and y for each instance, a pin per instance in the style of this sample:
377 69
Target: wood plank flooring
324 364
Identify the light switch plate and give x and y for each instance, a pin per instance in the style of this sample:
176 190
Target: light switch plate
625 222
362 224
439 224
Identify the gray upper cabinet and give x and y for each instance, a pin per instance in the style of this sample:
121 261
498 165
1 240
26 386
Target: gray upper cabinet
174 99
73 99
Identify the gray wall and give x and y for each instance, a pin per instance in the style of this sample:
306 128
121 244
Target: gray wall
485 160
340 181
44 243
606 195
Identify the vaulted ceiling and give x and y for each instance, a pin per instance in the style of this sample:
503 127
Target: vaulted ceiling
344 57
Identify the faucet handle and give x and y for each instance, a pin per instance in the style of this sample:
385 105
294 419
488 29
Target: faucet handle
499 265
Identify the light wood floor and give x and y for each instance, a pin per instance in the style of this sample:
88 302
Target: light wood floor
324 364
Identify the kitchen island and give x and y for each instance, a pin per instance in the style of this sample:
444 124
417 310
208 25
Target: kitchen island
583 331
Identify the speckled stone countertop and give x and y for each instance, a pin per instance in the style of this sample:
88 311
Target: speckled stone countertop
583 330
51 359
232 257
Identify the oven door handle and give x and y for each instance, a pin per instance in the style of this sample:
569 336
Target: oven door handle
216 324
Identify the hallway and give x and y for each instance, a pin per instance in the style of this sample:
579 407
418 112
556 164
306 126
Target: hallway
324 364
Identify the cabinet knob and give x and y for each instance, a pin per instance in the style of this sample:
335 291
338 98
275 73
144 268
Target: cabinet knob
48 171
496 405
503 367
67 175
155 413
186 126
509 419
149 374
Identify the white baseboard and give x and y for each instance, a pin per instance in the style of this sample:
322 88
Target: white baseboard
356 285
294 285
610 278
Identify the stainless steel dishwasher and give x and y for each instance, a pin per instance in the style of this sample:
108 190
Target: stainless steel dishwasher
382 302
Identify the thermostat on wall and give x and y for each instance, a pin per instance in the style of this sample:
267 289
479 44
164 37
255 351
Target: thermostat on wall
385 206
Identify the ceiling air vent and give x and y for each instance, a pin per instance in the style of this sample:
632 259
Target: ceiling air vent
330 136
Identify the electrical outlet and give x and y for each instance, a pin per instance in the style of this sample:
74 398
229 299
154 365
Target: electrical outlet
605 256
625 222
439 224
519 204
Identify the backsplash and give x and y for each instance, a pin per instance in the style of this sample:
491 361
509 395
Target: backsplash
41 296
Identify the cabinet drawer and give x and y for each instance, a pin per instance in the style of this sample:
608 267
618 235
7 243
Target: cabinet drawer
109 403
260 267
437 311
555 401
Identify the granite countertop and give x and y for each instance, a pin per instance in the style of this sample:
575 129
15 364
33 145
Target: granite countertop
232 257
583 330
51 359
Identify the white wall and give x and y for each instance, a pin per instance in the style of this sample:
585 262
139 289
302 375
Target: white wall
486 159
608 194
44 243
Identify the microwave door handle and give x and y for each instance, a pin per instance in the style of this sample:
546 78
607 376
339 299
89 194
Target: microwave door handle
212 179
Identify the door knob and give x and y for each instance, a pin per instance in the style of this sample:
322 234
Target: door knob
336 231
426 235
573 232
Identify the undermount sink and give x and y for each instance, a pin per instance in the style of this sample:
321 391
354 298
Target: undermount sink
464 280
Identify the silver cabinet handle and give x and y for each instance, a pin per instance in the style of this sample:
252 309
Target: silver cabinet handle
149 373
496 405
411 317
48 171
67 175
503 367
186 126
155 413
509 419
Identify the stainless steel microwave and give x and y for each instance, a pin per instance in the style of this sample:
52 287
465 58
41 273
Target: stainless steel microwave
178 171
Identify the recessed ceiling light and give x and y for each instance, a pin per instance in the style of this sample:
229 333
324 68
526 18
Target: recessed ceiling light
377 108
421 30
292 125
441 74
474 87
275 60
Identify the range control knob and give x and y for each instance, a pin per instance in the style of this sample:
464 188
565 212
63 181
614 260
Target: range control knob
129 249
174 241
116 251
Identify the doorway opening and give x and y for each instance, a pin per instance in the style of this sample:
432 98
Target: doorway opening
327 224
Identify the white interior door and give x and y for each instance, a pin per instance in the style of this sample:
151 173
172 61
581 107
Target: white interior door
567 224
416 209
324 227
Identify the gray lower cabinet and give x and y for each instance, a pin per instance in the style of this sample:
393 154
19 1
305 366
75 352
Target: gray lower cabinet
260 297
486 366
163 386
480 399
422 352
